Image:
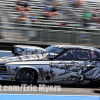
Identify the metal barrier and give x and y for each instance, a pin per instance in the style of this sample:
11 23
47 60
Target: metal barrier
57 34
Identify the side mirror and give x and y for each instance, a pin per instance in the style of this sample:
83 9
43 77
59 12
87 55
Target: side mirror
51 55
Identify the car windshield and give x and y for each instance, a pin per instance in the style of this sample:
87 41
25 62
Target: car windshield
52 49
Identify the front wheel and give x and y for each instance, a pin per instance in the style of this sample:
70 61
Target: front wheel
25 76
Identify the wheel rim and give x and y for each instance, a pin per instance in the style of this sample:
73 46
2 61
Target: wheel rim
25 76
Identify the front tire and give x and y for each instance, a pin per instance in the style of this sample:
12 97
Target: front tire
25 76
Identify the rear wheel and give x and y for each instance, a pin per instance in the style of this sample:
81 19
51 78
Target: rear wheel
25 76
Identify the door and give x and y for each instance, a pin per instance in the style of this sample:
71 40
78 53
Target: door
69 66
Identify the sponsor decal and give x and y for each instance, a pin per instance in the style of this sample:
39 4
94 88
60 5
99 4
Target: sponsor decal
9 69
5 77
0 77
11 78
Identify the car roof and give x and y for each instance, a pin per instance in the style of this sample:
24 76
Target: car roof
75 47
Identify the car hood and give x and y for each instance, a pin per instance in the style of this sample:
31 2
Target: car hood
24 58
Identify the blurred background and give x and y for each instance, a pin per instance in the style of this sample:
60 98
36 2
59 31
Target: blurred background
50 22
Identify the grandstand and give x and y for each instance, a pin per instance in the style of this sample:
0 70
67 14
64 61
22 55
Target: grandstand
52 29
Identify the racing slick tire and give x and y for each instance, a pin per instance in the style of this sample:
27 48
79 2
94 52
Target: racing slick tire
26 76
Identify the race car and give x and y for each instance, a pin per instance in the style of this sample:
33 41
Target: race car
67 64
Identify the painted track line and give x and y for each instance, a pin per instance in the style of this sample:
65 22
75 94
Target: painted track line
48 97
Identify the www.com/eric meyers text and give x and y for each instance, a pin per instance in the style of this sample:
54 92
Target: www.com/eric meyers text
28 88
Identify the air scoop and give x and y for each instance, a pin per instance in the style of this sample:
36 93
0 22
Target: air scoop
27 50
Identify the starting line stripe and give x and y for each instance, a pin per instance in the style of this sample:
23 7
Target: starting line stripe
46 97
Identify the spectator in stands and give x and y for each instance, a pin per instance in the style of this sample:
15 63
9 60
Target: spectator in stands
22 19
76 3
24 4
27 13
22 11
34 18
87 18
54 11
47 9
96 16
81 1
51 11
19 5
22 16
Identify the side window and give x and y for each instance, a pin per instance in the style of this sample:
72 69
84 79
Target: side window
93 55
82 54
68 55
